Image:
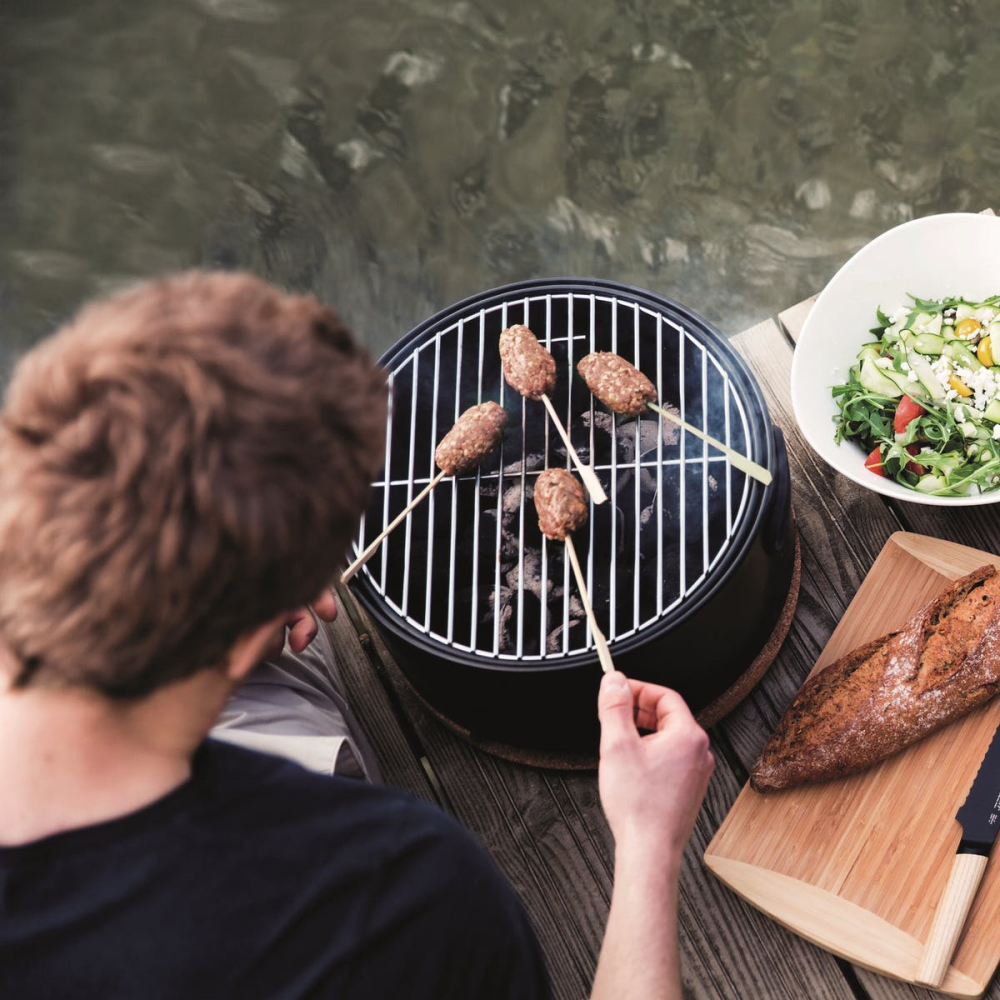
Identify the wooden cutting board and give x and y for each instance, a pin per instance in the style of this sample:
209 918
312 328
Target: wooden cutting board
857 866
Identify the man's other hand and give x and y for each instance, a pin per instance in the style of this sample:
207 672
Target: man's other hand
300 626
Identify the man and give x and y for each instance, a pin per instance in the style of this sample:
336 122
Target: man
181 468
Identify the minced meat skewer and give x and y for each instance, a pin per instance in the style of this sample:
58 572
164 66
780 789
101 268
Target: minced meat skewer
562 508
527 366
531 370
475 434
560 502
619 385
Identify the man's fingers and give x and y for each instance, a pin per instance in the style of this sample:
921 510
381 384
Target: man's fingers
302 632
325 605
657 705
614 707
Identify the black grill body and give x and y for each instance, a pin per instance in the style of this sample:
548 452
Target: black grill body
689 564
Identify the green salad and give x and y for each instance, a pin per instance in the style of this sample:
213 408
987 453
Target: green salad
923 397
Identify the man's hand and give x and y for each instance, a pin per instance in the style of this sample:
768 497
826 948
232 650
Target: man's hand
651 785
651 789
301 625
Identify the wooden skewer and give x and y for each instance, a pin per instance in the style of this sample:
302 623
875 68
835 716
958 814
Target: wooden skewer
377 541
741 462
587 474
599 641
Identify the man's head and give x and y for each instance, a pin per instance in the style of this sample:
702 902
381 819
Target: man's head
179 464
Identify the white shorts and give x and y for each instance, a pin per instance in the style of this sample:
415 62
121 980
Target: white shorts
295 707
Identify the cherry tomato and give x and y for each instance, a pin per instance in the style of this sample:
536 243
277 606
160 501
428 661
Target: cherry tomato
873 463
967 329
906 410
915 467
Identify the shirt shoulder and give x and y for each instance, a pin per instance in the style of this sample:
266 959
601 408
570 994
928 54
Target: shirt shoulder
438 918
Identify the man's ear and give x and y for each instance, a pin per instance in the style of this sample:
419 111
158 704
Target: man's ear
252 647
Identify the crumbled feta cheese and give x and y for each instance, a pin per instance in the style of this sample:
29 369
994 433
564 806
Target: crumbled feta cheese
951 394
904 366
912 376
996 432
959 411
949 321
883 363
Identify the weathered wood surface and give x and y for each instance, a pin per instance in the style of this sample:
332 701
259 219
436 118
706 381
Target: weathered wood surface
545 829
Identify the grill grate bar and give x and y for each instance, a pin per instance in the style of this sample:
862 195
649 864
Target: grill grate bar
682 530
474 583
612 568
432 500
409 492
705 557
636 487
454 493
503 465
524 496
659 458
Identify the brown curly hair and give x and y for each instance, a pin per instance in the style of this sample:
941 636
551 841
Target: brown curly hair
180 463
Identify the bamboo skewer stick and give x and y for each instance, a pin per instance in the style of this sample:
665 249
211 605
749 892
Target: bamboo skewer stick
599 641
741 462
377 541
587 474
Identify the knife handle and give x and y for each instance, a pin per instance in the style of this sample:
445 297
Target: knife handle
966 874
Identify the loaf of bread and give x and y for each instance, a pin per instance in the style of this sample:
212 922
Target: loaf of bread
892 691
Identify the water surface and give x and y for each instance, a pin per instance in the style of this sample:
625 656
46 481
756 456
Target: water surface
397 155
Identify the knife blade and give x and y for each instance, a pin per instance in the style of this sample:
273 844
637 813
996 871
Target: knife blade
979 818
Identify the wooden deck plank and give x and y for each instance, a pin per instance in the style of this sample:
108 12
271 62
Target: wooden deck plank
368 697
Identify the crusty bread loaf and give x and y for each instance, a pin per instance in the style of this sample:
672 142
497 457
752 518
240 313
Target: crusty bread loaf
892 691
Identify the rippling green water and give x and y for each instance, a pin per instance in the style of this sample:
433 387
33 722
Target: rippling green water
397 156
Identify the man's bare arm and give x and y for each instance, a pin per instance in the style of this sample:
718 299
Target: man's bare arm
651 789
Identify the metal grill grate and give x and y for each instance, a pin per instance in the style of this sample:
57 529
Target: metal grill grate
469 569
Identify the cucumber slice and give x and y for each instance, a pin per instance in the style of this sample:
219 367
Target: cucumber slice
874 380
962 354
992 411
906 385
922 368
927 343
985 314
931 484
927 323
869 351
963 311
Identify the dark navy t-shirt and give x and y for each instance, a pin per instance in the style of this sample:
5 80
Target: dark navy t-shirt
258 879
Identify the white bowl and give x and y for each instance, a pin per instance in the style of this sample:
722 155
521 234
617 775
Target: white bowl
934 257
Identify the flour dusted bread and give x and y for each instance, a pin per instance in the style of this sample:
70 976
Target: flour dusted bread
892 691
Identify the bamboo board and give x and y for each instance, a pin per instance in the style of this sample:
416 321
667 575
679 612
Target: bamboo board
857 866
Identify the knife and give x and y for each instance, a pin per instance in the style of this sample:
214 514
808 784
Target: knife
979 818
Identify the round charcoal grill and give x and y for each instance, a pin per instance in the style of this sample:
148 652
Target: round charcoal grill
691 565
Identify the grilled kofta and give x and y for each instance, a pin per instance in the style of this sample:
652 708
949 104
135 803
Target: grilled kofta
475 434
620 386
527 366
560 502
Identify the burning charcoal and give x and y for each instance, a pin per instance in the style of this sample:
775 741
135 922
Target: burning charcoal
527 366
475 434
620 386
560 502
554 640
